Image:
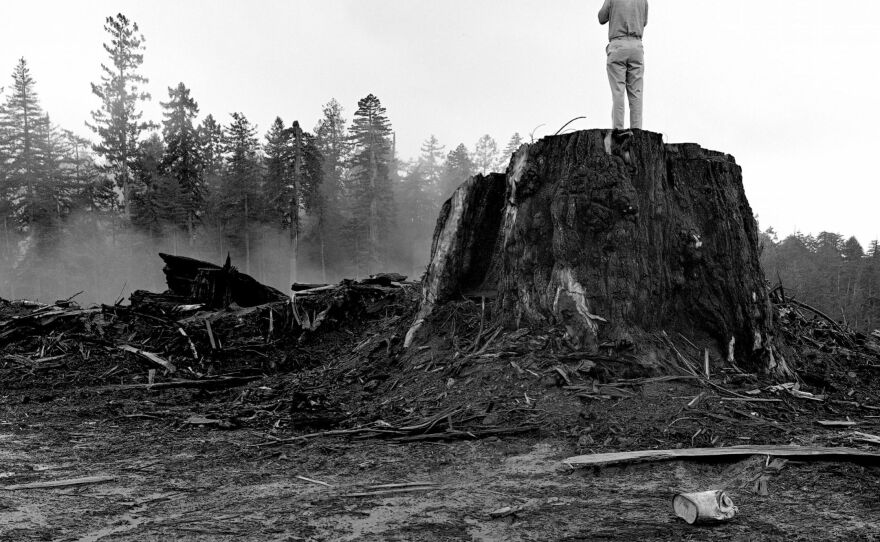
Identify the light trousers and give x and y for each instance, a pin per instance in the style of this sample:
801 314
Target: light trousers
626 70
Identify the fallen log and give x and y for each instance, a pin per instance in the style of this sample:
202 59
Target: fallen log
787 451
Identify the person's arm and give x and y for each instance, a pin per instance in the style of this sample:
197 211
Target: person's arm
605 12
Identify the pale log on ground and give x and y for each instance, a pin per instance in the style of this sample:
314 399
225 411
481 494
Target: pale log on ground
61 483
788 451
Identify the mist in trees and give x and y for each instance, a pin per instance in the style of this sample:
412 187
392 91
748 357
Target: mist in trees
287 204
117 121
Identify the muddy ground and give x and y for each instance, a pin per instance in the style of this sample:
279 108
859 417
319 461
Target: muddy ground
174 481
256 462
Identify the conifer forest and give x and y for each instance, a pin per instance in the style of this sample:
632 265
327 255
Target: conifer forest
86 210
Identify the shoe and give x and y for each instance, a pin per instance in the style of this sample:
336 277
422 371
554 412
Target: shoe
622 135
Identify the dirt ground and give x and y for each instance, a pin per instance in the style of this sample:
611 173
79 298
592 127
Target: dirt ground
244 462
173 481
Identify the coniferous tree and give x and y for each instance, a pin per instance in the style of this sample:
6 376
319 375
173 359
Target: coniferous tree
6 195
277 178
372 212
118 121
182 163
852 269
22 116
90 191
280 190
53 187
309 176
291 183
294 198
154 204
513 145
210 136
458 168
432 167
485 154
47 207
332 144
417 211
829 271
239 193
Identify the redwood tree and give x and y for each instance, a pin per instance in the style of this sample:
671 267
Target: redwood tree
117 122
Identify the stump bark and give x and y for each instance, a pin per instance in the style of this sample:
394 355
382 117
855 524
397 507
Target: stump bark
612 240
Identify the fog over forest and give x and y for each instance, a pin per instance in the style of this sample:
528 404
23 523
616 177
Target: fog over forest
286 202
88 212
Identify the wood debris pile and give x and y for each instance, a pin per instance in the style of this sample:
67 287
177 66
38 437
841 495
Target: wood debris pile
329 361
214 324
831 357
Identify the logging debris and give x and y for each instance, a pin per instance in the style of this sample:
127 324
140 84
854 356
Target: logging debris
327 362
213 328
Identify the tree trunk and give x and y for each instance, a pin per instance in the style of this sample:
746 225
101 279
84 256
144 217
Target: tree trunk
323 258
293 203
612 240
247 239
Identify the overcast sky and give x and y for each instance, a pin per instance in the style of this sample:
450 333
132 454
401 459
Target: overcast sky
786 86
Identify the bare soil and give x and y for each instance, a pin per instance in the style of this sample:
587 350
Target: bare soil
222 464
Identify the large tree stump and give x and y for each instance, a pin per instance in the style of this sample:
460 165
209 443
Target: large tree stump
612 240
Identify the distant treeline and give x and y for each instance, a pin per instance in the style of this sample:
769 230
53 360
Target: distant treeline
828 272
290 205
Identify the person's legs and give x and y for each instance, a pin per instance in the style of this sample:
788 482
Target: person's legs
635 71
616 66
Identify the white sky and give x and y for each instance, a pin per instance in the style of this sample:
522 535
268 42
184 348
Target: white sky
786 86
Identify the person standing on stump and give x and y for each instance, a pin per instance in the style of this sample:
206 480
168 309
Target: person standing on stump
626 21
